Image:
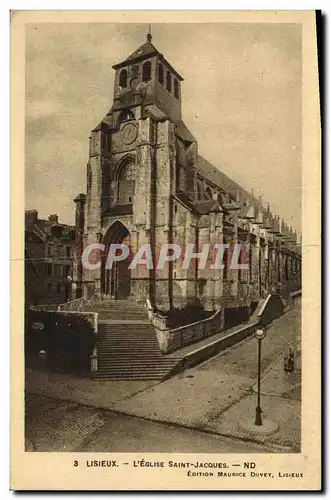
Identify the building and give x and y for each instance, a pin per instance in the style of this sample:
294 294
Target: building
147 183
49 259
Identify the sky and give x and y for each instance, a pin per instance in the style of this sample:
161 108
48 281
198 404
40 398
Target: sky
241 99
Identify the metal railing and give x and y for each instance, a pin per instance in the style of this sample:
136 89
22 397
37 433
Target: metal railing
72 305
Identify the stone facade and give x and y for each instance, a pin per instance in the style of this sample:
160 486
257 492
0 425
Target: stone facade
147 184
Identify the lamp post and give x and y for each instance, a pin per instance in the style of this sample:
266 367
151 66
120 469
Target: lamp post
260 333
248 425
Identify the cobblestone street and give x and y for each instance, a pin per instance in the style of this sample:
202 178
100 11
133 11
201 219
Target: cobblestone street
61 426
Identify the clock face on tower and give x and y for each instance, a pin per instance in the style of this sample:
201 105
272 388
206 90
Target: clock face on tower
129 133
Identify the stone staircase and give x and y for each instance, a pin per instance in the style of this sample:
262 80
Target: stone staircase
119 310
131 352
127 345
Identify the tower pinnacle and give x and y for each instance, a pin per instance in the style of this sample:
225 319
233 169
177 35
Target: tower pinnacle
149 35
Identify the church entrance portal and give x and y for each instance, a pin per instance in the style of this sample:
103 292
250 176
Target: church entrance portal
116 282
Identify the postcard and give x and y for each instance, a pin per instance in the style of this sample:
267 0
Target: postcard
165 252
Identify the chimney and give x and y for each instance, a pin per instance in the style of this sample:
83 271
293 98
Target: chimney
53 218
31 218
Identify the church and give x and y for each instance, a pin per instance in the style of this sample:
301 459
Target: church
147 184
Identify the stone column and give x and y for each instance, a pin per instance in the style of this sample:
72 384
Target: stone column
162 215
93 222
218 273
143 204
205 283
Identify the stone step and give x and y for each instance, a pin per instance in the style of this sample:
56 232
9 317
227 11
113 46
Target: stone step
135 368
130 352
131 376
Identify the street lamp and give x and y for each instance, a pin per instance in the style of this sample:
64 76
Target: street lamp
260 334
248 425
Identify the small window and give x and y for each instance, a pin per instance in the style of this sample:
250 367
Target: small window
176 88
168 81
160 74
209 194
147 70
58 270
58 288
225 263
48 270
175 209
66 271
241 261
124 79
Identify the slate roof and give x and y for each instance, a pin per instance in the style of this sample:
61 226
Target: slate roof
145 51
216 176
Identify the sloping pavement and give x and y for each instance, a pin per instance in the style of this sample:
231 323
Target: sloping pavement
217 395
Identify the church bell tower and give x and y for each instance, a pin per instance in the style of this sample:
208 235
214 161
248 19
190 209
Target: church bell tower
133 166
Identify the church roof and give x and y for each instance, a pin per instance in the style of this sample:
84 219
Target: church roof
145 51
216 176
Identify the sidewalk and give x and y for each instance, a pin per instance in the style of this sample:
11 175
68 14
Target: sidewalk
278 383
97 393
217 402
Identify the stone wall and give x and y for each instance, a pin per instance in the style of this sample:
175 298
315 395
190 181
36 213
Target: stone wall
171 340
67 339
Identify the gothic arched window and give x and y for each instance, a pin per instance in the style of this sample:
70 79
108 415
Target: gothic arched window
123 78
225 263
147 71
176 88
126 182
286 270
160 74
199 191
168 81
